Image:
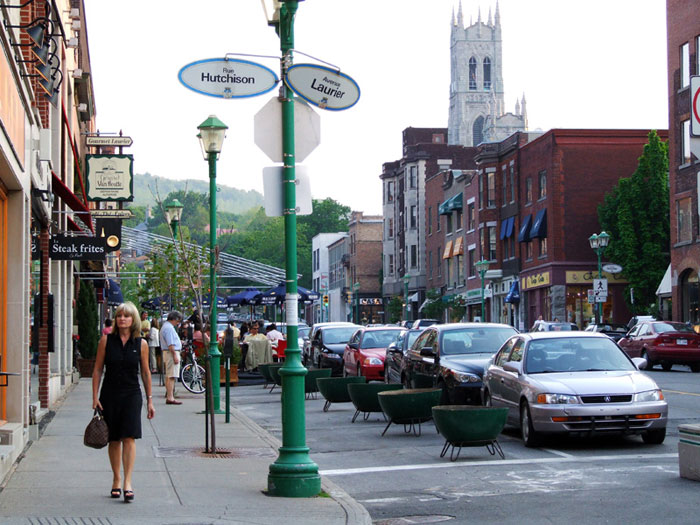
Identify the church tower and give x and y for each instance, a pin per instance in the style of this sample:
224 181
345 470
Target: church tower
476 88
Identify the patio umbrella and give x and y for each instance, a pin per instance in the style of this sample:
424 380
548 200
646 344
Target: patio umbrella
156 303
248 296
221 302
274 295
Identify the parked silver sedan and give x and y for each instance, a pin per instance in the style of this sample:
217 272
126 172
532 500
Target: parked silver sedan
574 383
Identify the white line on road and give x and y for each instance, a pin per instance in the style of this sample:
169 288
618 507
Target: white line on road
557 452
495 463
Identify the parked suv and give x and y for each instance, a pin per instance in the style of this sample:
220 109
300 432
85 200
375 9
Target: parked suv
453 356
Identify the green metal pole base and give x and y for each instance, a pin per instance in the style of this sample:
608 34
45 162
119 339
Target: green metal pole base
290 478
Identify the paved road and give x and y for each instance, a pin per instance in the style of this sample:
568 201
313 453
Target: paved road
401 478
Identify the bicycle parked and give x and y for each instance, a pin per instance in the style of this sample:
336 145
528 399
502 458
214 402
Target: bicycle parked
192 374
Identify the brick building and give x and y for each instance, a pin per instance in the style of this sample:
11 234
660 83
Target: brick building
683 37
364 263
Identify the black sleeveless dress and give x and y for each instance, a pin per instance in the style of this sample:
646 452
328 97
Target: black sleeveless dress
121 393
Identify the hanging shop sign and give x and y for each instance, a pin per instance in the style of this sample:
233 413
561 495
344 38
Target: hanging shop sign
110 231
116 141
370 301
227 78
65 248
587 277
112 214
110 177
322 86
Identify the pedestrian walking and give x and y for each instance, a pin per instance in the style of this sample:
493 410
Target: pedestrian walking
121 354
171 345
154 344
244 346
145 325
108 327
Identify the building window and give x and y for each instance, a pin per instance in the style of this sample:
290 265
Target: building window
472 262
448 223
459 269
492 243
542 190
390 191
487 74
437 218
472 74
685 65
512 246
414 218
685 142
458 220
391 265
543 247
512 183
697 55
504 189
684 215
438 138
506 250
528 190
430 265
482 243
414 256
471 219
390 226
438 261
491 190
412 176
528 250
478 131
481 191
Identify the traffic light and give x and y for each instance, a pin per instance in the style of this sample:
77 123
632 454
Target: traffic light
325 300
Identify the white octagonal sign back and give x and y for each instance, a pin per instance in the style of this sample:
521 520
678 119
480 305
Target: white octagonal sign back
268 129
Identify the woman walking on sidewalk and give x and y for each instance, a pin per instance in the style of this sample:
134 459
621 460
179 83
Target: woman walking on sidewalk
121 353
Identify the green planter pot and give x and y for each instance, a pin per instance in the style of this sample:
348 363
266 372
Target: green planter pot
365 397
274 371
469 426
310 386
335 389
409 407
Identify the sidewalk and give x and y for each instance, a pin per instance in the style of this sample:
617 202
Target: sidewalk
59 480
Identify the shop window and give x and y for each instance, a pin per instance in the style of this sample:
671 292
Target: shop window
690 297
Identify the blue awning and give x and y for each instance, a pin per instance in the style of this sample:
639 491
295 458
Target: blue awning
504 228
524 235
510 227
539 227
450 205
114 293
513 295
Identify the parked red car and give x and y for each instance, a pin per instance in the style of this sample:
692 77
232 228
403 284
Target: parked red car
366 350
663 342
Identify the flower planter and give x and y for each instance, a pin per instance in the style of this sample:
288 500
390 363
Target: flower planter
409 407
310 385
86 366
469 426
233 375
365 397
335 389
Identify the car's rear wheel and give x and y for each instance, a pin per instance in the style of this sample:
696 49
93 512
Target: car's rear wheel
650 363
655 436
666 366
530 437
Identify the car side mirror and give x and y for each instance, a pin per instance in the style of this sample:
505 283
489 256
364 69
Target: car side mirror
640 363
353 346
427 351
513 366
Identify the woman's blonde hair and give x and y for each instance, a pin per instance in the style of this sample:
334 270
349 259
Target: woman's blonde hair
129 309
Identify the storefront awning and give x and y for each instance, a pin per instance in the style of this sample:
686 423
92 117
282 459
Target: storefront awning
413 298
664 289
64 192
450 205
513 295
459 247
524 235
507 227
539 227
448 250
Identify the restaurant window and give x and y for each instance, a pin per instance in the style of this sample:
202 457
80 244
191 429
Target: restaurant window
543 247
491 190
471 219
542 184
685 142
528 190
684 215
685 65
492 243
414 218
472 262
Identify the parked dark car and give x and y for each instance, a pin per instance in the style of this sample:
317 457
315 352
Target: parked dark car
394 365
614 331
574 383
365 352
553 326
422 323
453 357
663 342
306 349
328 345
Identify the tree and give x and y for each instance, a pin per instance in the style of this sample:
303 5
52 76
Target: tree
636 216
86 312
328 216
395 309
435 309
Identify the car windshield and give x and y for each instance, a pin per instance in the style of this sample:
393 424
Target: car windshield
559 327
221 327
412 336
336 336
661 328
379 338
303 331
581 354
479 340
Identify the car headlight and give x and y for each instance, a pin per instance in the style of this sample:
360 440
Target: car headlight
331 355
464 377
649 395
372 361
557 399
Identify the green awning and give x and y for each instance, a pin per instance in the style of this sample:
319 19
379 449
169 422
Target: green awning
451 204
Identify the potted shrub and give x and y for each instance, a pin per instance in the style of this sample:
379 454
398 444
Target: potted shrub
88 334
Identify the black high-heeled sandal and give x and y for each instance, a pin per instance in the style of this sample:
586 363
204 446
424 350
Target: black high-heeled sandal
115 493
128 496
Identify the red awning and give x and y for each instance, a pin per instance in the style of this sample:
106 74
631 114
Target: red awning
60 189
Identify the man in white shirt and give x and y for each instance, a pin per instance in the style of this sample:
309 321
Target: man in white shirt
171 345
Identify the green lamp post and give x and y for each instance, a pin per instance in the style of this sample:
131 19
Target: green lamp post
293 474
482 267
598 243
211 137
406 280
173 214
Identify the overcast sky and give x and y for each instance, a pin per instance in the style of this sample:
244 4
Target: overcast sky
593 64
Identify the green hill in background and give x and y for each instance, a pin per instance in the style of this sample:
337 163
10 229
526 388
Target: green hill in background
227 199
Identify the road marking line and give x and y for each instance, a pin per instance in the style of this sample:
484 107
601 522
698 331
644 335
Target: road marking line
557 452
382 500
679 392
495 463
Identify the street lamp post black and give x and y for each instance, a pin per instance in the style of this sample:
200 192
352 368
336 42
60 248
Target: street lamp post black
599 242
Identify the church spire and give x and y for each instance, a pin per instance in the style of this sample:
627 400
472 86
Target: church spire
490 19
498 15
478 20
460 19
523 112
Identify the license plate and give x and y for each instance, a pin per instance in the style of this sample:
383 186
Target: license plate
682 341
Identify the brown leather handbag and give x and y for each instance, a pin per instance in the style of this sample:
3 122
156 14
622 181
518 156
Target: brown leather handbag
96 433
